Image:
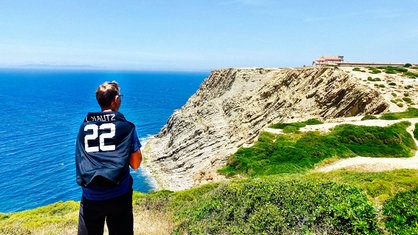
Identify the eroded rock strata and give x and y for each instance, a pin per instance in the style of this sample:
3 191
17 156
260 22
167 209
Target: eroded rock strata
232 106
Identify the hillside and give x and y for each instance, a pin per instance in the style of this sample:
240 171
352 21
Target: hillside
233 106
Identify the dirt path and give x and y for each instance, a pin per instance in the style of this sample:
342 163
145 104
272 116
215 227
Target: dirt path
364 163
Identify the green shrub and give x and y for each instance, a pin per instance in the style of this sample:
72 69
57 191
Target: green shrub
284 125
390 116
409 113
379 186
290 129
401 213
396 100
357 69
297 153
416 131
369 117
410 74
295 126
394 70
313 121
284 154
277 206
155 200
373 79
407 100
374 141
374 70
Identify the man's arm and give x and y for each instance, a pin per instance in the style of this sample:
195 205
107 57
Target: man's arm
135 159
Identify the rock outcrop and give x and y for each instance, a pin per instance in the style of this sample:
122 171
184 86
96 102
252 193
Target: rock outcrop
232 106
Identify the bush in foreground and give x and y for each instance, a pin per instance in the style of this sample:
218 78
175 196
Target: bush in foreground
56 217
379 186
401 212
275 205
308 199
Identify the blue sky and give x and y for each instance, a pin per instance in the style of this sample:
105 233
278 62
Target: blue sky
204 34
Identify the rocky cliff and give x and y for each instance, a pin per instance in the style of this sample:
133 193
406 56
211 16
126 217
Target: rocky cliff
232 106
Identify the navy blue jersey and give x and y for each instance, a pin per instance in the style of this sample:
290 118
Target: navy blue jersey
103 148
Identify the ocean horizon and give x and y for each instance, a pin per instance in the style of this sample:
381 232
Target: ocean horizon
43 111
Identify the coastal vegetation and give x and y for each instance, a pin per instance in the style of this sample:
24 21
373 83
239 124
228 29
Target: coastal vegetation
339 202
50 219
273 190
272 205
407 70
409 113
387 80
295 126
401 217
278 154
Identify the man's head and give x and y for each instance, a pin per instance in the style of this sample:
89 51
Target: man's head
108 96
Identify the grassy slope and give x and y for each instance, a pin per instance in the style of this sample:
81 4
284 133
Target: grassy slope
300 152
162 211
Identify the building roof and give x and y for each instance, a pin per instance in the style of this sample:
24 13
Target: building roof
331 58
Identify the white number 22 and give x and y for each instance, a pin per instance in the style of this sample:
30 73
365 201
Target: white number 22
95 134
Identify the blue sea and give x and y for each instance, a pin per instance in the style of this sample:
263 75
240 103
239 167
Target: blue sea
42 111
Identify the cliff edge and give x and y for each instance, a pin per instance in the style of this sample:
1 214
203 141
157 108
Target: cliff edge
232 106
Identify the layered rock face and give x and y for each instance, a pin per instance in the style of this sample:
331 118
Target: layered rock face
232 106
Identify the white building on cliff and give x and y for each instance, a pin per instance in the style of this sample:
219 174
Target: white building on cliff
328 60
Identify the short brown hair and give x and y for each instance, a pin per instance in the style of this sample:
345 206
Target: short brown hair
106 93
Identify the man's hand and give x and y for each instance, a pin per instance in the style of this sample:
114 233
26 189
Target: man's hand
135 159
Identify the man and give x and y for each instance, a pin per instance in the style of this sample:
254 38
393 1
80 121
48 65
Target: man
107 144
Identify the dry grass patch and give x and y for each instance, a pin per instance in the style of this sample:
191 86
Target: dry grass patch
152 222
